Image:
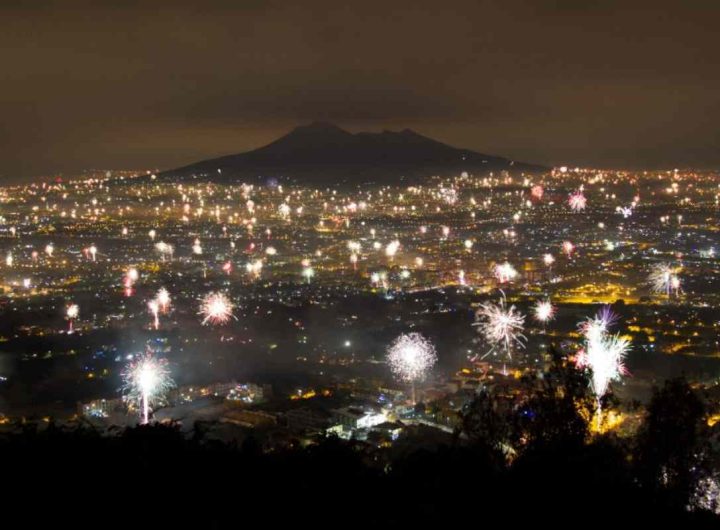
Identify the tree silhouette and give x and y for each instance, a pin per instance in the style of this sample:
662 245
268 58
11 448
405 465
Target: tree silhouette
671 450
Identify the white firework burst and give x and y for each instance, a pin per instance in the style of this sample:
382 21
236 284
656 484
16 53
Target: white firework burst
411 356
544 311
165 249
501 327
664 278
216 309
392 248
146 382
163 299
603 355
505 272
72 311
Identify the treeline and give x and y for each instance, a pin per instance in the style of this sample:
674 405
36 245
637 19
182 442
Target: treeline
532 462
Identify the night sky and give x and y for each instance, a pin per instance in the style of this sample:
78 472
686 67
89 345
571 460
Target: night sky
139 84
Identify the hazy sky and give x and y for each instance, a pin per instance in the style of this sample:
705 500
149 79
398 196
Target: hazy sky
136 84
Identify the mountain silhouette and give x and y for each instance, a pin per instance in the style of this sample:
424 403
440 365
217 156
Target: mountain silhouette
323 153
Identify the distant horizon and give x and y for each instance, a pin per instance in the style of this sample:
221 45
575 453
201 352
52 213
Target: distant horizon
8 180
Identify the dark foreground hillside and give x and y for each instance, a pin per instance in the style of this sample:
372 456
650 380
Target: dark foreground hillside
559 477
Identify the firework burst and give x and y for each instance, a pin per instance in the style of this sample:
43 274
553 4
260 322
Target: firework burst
72 312
505 272
392 248
411 356
165 249
216 309
146 381
308 273
501 326
577 201
544 311
163 299
154 308
537 191
603 354
664 278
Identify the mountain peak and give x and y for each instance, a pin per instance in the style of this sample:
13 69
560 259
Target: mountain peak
322 152
319 127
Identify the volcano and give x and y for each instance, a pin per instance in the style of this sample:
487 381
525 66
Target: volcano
322 153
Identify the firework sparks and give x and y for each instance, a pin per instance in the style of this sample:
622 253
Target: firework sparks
146 381
154 308
505 272
577 201
284 210
72 312
544 311
165 249
625 211
537 191
254 268
392 248
664 279
603 355
308 273
411 356
216 309
501 326
131 276
163 298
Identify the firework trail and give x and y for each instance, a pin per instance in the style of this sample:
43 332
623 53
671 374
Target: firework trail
72 312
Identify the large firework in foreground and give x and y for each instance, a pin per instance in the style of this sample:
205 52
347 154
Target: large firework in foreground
603 355
664 278
216 309
501 326
411 356
146 381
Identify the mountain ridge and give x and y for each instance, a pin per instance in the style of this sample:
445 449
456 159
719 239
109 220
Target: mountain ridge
321 152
